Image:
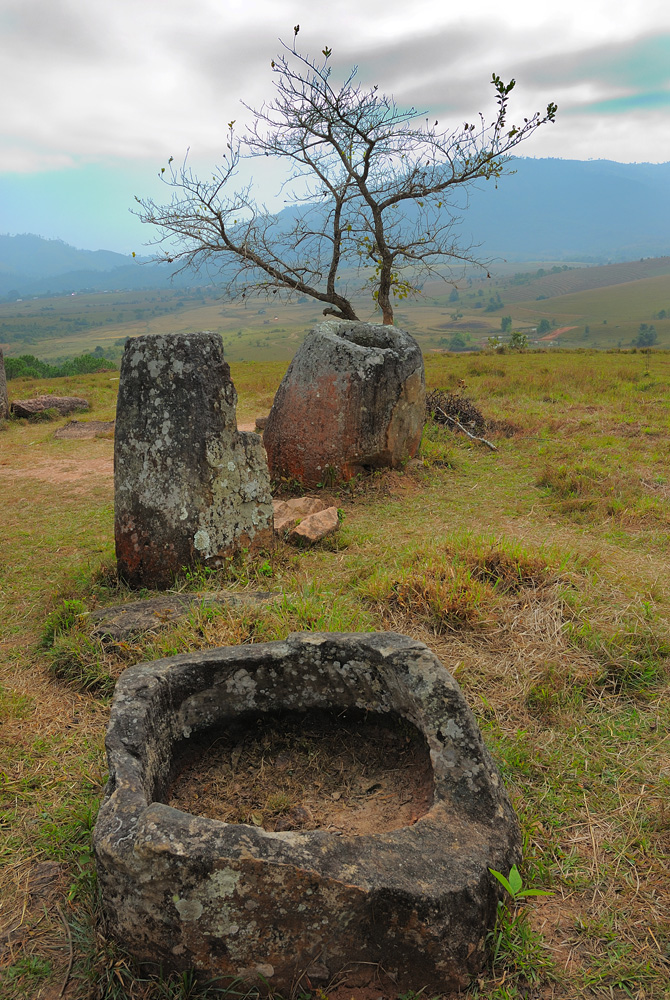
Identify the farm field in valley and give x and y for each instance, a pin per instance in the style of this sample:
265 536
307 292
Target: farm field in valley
539 573
603 308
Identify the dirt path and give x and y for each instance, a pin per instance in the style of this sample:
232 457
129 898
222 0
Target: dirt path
72 469
556 333
68 470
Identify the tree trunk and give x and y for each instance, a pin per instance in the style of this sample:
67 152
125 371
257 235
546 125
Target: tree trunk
384 294
344 310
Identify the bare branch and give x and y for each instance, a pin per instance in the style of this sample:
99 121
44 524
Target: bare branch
379 191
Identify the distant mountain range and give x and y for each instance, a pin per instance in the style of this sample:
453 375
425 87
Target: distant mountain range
30 265
596 211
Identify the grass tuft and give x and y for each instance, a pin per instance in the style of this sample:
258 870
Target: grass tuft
449 596
464 583
518 954
83 662
634 656
62 620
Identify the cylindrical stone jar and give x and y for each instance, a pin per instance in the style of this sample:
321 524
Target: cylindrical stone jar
352 399
188 486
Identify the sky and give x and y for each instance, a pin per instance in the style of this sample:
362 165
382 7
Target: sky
96 95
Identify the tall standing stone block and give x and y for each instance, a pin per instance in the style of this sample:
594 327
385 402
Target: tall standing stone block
189 487
352 399
4 397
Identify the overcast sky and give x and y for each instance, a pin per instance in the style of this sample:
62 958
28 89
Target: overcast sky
96 94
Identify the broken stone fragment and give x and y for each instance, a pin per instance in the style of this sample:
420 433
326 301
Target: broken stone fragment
352 399
287 513
315 527
64 405
189 487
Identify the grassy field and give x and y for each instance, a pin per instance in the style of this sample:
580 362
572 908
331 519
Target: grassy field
551 281
539 573
603 306
612 314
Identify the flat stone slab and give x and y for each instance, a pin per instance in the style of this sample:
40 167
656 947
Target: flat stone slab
126 621
85 429
64 405
233 899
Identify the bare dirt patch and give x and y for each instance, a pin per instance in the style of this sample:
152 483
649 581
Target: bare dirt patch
62 471
76 468
351 772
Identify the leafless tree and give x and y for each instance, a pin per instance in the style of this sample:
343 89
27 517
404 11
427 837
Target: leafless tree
377 196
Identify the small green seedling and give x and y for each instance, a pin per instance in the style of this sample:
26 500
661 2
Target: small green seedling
514 885
265 568
512 932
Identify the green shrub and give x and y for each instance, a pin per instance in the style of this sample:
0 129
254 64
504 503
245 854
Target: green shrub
28 366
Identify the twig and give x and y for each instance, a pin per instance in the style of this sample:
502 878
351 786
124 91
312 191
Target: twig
593 839
462 428
71 960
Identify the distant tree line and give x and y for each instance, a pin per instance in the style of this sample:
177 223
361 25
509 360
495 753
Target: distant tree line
34 322
524 277
28 366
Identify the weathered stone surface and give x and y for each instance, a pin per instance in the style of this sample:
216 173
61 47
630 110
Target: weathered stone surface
352 399
188 486
125 621
287 513
82 429
261 423
64 405
4 397
315 527
187 891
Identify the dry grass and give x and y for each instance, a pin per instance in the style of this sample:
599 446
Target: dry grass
554 618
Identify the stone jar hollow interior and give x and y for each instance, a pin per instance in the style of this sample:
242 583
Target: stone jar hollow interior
369 335
347 771
182 890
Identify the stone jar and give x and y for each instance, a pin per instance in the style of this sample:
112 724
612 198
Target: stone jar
230 899
189 487
352 399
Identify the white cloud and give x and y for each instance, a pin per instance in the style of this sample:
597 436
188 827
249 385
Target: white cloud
138 81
